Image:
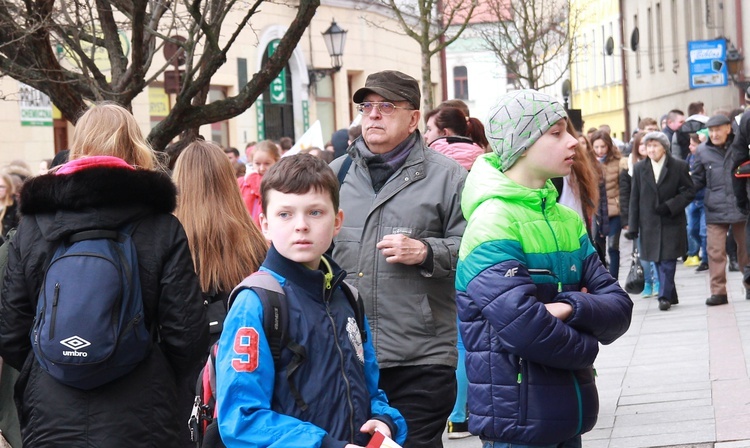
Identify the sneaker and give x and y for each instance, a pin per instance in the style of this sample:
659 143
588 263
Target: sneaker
458 430
647 291
702 267
734 266
692 260
656 288
717 299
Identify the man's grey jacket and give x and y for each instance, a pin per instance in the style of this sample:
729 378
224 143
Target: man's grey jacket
411 310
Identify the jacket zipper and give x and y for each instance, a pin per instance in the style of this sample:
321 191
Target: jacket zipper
554 237
523 387
54 311
580 403
329 286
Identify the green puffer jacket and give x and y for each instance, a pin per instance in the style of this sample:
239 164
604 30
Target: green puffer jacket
531 379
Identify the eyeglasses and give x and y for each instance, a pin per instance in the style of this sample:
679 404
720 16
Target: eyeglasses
384 107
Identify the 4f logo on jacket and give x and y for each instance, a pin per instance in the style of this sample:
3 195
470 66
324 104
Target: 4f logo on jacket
511 272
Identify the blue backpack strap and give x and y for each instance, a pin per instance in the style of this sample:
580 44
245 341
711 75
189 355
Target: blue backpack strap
344 169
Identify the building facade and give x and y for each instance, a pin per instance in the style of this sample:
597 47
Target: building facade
664 62
596 71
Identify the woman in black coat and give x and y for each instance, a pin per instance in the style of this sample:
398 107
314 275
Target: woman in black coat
111 180
657 211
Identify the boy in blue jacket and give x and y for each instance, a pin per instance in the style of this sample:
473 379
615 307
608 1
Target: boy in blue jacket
331 398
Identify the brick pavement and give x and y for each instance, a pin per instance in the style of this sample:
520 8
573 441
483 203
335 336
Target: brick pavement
677 378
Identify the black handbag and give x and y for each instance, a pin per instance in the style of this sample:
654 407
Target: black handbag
636 280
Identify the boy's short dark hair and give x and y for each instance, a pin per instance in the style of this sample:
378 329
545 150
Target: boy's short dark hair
234 151
299 174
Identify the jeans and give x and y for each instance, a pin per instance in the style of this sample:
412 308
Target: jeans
613 245
696 228
650 274
462 385
575 442
667 270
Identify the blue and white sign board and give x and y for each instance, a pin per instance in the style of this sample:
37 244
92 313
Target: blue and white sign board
707 63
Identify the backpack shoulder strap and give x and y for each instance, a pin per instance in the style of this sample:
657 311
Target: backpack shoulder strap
352 295
259 279
275 325
344 169
275 316
275 310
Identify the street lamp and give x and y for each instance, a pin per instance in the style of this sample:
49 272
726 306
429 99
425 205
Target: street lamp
735 67
335 39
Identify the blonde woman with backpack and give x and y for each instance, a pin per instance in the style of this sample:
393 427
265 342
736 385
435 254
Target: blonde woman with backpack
112 181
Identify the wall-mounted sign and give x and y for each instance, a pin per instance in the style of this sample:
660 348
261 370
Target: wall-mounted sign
278 85
36 107
707 63
261 118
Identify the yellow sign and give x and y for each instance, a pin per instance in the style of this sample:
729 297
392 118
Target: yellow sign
158 102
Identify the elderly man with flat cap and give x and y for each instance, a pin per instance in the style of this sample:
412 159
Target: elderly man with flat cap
399 245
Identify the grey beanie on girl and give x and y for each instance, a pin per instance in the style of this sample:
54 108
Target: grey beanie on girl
518 120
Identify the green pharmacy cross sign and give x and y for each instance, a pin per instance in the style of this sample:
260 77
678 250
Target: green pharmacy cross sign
278 85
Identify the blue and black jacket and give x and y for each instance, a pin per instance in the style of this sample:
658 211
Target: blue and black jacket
337 379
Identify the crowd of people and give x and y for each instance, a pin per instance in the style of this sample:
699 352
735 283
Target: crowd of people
462 276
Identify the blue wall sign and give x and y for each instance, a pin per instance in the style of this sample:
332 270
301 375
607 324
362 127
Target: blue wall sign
707 63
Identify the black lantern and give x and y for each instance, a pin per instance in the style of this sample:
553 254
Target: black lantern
734 62
335 39
735 67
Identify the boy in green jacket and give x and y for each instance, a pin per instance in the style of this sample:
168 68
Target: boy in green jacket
534 300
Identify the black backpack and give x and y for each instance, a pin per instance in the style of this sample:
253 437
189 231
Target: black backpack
204 428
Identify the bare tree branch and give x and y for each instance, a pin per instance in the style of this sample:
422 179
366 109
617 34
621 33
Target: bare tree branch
77 51
531 37
433 25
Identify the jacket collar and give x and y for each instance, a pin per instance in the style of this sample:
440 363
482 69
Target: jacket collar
310 280
485 182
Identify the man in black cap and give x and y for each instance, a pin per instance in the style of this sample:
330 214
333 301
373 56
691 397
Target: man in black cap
399 244
713 169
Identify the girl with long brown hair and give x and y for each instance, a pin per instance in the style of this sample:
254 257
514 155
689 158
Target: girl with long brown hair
225 244
609 157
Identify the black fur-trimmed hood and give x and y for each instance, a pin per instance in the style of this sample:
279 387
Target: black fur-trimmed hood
97 187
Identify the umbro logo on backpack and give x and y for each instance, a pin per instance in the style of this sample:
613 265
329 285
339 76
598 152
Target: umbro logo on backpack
75 343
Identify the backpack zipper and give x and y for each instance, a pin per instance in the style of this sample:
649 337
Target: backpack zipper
56 296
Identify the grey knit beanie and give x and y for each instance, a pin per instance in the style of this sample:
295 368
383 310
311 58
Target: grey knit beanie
659 137
518 120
